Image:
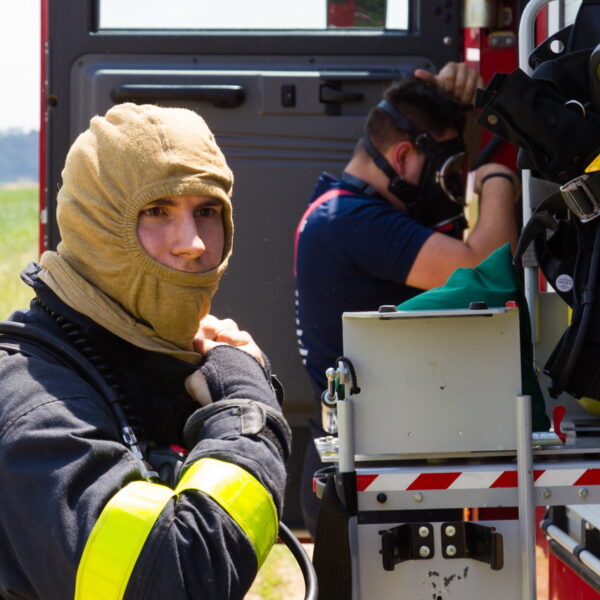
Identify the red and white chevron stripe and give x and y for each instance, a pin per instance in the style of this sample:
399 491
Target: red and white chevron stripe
474 479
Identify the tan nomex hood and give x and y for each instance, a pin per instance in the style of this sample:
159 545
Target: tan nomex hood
131 156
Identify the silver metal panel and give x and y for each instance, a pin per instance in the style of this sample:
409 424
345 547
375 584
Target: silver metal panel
498 497
437 578
590 514
434 381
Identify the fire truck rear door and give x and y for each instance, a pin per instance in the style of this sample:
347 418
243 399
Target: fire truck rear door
284 84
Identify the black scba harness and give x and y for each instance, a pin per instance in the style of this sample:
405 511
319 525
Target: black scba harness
554 118
439 198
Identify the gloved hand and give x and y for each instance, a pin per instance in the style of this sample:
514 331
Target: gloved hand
229 372
214 332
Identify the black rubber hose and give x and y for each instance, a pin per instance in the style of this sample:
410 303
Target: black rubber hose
486 152
308 571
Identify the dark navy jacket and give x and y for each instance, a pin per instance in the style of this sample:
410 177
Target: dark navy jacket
61 460
354 254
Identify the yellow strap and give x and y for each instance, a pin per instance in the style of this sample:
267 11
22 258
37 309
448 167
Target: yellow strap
594 165
121 531
117 540
241 495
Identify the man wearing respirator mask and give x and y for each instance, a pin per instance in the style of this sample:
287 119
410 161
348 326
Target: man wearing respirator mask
392 224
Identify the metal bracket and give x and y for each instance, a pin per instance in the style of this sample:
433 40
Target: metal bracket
410 541
469 540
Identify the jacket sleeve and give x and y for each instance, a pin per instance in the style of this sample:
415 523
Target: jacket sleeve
62 466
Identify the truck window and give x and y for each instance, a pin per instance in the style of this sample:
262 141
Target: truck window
256 15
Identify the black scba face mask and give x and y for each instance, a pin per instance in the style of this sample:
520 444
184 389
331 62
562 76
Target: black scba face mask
438 200
440 194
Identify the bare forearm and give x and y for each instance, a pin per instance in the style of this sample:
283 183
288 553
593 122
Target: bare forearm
440 255
496 224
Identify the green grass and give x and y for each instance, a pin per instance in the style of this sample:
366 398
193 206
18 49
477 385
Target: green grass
18 245
280 577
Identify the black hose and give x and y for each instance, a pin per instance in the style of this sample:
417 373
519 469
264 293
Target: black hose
486 152
354 389
308 571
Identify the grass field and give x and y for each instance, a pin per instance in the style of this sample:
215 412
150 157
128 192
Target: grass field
280 578
18 244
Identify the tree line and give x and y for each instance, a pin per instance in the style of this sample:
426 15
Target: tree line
19 157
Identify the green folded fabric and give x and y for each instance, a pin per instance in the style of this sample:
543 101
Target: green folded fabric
495 282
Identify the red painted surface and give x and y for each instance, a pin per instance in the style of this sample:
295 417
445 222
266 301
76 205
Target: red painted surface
476 42
364 481
541 25
590 477
509 479
433 481
42 138
565 584
341 14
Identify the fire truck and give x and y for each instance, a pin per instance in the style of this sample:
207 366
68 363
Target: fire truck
286 86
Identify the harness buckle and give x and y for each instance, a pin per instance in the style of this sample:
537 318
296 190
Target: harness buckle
581 196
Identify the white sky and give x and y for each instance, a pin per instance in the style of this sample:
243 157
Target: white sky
19 64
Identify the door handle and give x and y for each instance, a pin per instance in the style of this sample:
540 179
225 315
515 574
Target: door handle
330 95
221 96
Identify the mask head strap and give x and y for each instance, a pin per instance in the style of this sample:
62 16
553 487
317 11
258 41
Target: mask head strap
400 121
407 192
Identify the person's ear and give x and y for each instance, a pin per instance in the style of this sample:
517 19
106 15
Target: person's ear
399 154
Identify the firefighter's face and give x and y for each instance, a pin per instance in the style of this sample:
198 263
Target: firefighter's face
183 232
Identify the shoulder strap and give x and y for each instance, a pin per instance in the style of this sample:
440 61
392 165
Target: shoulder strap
29 340
29 336
328 195
45 342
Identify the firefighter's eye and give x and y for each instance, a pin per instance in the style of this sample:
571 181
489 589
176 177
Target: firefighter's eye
153 211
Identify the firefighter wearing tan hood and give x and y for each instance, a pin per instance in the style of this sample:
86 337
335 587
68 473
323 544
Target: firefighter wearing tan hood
132 156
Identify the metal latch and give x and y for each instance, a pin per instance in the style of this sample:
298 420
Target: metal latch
409 541
469 540
582 196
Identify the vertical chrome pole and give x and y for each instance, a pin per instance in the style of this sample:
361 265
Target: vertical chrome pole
345 425
526 498
345 436
526 46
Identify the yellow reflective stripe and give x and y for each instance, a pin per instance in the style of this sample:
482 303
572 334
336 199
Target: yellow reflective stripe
238 492
594 165
117 540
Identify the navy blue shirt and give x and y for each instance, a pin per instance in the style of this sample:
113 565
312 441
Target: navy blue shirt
354 254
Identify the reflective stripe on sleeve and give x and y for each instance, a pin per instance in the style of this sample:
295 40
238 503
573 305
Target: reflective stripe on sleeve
117 540
241 495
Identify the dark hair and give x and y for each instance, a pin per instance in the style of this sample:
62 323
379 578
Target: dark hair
428 107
